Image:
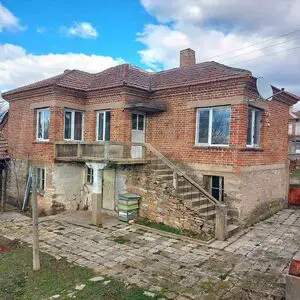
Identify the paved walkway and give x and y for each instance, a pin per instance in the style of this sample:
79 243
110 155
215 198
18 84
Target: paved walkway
250 265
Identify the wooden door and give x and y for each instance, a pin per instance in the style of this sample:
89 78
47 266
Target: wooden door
109 181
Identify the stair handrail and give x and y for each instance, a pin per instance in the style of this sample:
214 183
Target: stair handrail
182 174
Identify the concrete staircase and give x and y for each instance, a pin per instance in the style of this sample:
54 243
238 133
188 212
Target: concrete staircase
200 203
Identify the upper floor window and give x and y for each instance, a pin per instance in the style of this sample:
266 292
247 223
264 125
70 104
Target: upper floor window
73 125
103 126
253 132
43 122
213 126
138 122
298 128
290 129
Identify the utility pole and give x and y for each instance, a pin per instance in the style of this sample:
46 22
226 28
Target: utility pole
35 222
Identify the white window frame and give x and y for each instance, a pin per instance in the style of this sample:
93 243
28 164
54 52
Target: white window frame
209 144
290 129
43 124
40 182
104 125
253 110
137 121
73 124
297 128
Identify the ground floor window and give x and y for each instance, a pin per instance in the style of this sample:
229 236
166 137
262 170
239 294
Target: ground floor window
40 178
215 186
297 147
89 175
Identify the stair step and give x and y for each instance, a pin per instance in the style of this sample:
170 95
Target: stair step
232 221
208 215
164 172
204 208
192 195
165 177
232 229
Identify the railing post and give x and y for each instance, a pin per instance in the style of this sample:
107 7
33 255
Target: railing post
106 150
79 150
221 222
175 180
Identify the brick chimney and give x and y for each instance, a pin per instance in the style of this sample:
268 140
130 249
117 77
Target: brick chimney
187 57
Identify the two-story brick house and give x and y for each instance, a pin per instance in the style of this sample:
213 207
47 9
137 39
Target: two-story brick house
163 135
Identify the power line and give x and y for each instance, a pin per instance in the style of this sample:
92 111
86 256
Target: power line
270 54
270 46
270 39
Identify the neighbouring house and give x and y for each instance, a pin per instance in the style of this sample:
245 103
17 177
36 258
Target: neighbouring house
294 135
195 142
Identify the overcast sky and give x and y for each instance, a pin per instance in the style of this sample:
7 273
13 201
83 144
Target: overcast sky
37 40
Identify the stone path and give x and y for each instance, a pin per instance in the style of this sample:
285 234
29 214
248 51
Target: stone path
250 265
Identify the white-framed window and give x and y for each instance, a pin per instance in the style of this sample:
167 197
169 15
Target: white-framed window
298 128
103 125
138 121
215 186
290 129
41 179
213 126
42 124
297 147
73 129
89 175
253 130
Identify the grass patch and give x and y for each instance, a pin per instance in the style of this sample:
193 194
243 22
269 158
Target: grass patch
19 282
188 233
121 240
296 173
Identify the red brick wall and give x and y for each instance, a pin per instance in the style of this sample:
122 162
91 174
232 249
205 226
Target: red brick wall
172 132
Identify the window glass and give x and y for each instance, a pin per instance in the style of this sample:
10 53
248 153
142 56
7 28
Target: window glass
253 130
256 127
203 126
100 126
40 124
134 121
290 129
249 129
68 125
40 178
43 122
298 128
46 123
78 126
90 175
213 126
220 126
141 122
107 126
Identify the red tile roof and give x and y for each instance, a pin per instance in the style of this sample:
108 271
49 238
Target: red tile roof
129 75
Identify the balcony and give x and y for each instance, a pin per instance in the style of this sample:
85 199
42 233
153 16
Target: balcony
107 152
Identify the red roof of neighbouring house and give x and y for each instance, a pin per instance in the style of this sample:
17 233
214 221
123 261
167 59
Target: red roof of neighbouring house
129 75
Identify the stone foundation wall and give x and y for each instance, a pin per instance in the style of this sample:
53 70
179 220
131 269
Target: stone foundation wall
159 202
254 192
